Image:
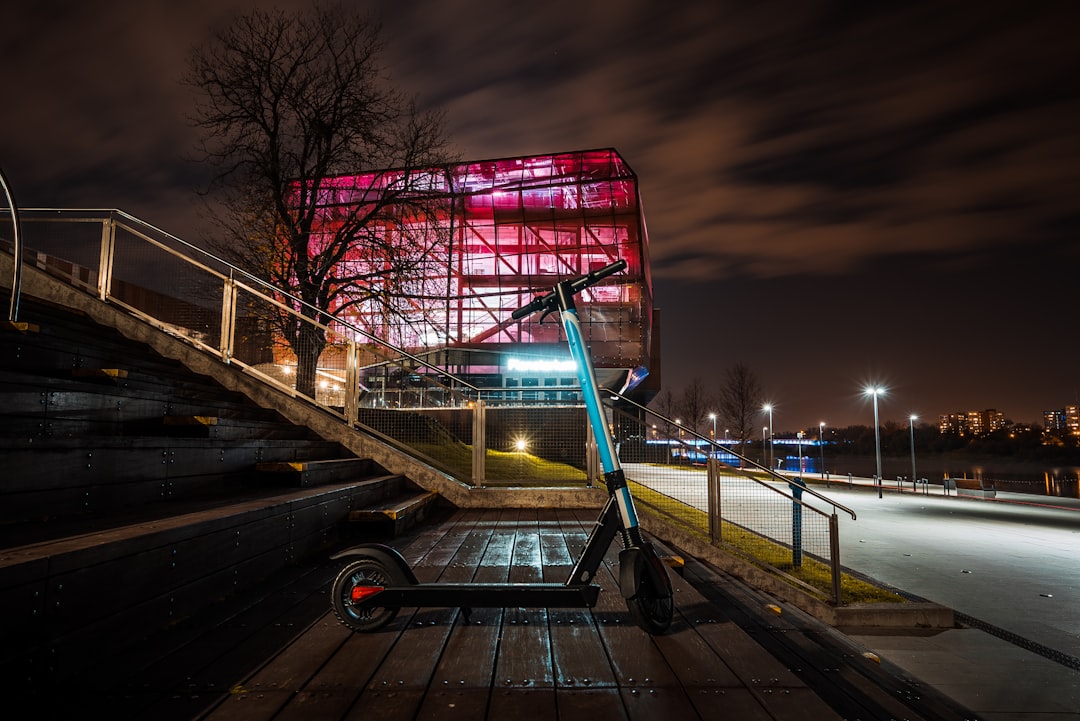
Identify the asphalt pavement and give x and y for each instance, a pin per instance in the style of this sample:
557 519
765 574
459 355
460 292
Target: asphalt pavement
1008 566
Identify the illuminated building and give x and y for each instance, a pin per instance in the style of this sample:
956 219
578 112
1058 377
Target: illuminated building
500 232
972 423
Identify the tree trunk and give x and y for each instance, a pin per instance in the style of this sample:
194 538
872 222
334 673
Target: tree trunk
309 343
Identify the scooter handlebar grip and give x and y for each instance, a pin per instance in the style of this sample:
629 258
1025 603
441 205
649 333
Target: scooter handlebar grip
597 275
537 303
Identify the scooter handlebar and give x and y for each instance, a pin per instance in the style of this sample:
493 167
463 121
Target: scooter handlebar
546 301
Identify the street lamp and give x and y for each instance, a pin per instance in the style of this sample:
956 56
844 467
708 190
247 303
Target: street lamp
876 391
764 455
911 421
712 416
768 409
821 445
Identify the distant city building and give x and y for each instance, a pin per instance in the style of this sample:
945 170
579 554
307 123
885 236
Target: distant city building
1072 420
1063 422
972 423
1054 420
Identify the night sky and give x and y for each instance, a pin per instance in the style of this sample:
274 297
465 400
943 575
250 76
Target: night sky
836 193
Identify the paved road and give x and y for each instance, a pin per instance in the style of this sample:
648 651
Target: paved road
1014 565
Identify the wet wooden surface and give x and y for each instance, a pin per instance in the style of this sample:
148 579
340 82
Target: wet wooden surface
518 664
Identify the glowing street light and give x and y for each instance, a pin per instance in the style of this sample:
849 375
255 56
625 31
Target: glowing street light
712 416
876 391
768 409
821 445
911 421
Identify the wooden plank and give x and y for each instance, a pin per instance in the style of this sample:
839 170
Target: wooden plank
658 704
468 659
335 687
450 704
266 692
526 705
387 705
802 704
591 705
722 704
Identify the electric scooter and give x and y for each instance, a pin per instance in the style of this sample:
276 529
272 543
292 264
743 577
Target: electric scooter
377 581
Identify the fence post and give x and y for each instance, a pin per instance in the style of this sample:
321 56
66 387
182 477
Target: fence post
105 258
834 555
228 318
352 383
797 485
715 518
479 445
592 458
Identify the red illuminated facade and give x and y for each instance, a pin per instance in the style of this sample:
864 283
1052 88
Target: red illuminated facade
503 230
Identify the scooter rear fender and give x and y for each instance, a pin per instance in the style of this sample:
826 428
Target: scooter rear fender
382 553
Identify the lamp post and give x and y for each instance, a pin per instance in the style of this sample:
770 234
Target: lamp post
911 422
764 455
768 409
876 391
821 446
712 417
799 435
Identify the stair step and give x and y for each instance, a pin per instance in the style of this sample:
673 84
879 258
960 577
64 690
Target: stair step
102 374
399 513
317 472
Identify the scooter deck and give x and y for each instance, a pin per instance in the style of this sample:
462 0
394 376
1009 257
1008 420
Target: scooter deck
485 595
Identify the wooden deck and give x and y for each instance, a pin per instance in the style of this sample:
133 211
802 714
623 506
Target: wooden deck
522 663
286 657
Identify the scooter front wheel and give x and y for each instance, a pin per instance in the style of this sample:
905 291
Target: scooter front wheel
357 581
651 611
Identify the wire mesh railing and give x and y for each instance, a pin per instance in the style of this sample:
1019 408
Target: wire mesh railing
481 437
769 519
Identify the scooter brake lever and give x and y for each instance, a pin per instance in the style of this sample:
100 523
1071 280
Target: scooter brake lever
546 313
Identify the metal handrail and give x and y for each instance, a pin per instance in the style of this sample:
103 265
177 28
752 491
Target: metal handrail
16 280
716 446
268 291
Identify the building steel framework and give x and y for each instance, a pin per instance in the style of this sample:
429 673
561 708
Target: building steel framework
499 230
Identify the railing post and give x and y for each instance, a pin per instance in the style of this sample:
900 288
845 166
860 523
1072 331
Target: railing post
715 519
797 485
228 319
352 383
105 259
479 445
834 556
592 458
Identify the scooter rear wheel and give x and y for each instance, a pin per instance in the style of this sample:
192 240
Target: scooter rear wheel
349 587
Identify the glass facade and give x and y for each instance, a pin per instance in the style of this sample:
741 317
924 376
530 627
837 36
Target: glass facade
492 234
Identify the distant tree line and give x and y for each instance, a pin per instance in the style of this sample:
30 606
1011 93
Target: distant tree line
737 402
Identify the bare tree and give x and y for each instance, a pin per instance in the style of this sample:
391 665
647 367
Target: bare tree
292 102
694 404
740 402
666 406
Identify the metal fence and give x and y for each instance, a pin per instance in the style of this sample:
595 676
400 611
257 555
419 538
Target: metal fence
708 488
479 436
